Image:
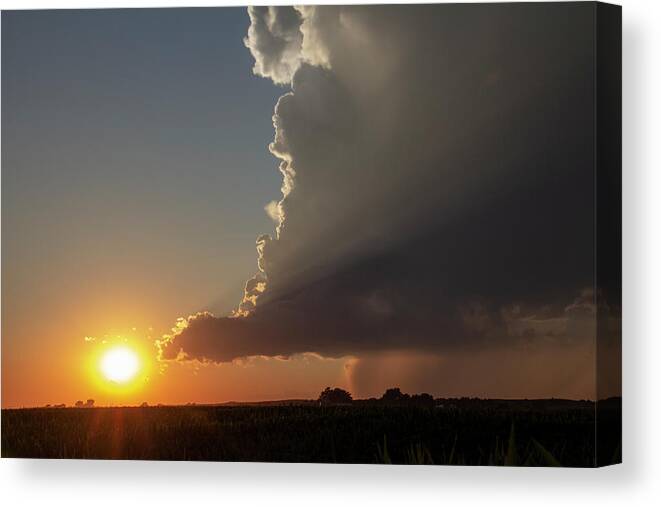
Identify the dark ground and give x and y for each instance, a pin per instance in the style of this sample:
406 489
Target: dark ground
458 432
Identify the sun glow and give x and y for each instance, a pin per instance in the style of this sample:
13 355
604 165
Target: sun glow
120 369
120 365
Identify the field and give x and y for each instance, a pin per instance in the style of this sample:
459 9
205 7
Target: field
459 432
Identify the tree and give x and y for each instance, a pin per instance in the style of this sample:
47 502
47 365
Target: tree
334 396
79 404
395 395
89 403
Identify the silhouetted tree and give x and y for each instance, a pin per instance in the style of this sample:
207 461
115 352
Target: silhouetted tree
79 404
334 396
89 403
144 404
395 395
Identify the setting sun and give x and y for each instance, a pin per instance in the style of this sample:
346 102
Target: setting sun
118 368
120 364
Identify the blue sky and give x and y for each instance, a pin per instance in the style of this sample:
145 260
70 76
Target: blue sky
135 171
140 131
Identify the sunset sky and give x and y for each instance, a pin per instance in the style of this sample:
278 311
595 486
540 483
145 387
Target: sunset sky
423 218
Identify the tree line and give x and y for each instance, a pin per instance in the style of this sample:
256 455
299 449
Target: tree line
392 396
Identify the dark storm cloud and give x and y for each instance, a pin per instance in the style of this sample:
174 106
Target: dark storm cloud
437 183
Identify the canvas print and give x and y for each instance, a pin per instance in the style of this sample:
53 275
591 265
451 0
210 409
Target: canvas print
381 234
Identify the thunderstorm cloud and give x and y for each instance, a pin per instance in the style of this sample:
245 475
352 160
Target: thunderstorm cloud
436 195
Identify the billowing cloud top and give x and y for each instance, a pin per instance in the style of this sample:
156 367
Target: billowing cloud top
437 186
275 40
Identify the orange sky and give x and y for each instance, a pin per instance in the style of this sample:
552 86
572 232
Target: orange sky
70 370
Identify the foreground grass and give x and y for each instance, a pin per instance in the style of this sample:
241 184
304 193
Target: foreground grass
305 433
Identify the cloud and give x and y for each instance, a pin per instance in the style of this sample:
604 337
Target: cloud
437 187
274 39
310 322
273 211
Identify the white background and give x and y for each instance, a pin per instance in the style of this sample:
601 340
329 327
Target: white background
636 482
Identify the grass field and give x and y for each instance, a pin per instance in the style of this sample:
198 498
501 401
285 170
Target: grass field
461 433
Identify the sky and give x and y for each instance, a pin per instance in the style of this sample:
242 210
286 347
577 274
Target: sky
266 202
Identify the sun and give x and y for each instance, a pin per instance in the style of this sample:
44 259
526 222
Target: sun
120 364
